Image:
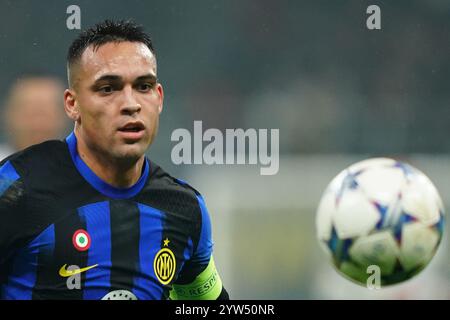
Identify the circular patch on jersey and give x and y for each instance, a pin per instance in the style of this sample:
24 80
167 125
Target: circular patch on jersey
120 295
81 240
164 265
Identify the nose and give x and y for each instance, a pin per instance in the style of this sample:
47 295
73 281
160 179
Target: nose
130 106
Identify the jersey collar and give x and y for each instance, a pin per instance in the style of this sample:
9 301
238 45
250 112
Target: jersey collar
100 185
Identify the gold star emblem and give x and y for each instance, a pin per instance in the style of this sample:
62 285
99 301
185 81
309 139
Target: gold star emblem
166 242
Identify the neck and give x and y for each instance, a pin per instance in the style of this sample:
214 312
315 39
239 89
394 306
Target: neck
117 173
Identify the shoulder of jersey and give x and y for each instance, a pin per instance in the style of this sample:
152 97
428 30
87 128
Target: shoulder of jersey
43 158
177 199
160 177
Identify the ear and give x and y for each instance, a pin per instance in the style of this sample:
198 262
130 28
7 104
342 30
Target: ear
71 105
160 91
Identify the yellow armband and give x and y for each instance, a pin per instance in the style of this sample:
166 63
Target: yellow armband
206 286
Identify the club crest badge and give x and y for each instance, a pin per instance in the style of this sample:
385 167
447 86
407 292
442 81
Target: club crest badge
165 264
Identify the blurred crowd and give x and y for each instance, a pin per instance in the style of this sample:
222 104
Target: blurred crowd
309 68
33 112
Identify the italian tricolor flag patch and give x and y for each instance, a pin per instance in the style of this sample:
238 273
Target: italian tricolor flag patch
81 240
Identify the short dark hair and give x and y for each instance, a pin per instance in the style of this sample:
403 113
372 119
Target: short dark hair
108 31
105 32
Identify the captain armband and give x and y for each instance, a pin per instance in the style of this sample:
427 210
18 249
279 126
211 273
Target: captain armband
206 286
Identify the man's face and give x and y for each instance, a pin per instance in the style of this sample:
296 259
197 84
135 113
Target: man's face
35 111
117 100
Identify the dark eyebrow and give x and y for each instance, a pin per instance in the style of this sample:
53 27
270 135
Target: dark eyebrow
149 77
115 78
108 77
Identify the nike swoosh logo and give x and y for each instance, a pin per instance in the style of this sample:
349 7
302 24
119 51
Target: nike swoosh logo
63 272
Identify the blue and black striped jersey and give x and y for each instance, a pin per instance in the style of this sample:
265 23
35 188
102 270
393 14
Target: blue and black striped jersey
66 234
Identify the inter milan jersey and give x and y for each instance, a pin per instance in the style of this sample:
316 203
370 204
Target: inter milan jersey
66 234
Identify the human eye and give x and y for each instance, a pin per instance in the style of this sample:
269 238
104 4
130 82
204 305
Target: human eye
144 87
106 89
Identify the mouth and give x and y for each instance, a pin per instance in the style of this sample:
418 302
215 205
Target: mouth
132 130
132 127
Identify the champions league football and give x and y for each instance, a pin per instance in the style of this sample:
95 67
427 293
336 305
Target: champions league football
380 213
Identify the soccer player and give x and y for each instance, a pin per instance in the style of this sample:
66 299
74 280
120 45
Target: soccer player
92 217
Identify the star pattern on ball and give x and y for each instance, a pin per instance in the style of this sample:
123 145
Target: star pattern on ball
348 183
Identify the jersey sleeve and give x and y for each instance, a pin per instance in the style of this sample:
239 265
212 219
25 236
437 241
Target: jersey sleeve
11 200
199 279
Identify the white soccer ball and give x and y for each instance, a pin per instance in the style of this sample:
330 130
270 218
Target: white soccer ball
384 213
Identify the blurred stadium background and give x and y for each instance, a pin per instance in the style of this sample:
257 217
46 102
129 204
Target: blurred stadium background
338 93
